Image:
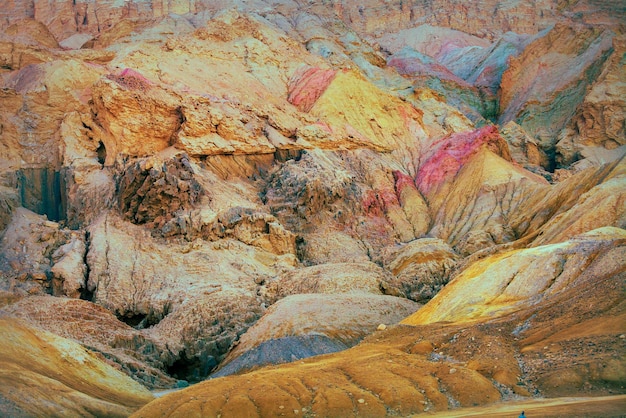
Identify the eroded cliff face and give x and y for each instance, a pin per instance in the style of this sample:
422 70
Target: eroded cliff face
202 189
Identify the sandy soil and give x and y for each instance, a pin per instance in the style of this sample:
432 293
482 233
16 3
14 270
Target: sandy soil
604 406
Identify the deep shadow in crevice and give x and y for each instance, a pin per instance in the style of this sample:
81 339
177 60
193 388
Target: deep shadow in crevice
193 369
43 190
102 153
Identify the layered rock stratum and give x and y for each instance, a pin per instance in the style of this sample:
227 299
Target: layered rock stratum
311 208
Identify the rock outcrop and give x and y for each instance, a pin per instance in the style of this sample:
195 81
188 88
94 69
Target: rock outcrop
523 329
201 189
599 120
44 374
420 269
320 323
154 190
327 278
543 87
38 256
510 281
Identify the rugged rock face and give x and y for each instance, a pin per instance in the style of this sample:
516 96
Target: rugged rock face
200 189
542 88
599 121
322 323
44 374
97 329
153 191
39 257
420 269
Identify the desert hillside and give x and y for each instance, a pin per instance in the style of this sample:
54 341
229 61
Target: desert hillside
312 208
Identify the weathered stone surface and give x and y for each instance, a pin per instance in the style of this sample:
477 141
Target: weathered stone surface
590 199
99 331
512 280
185 291
310 187
195 337
599 121
428 39
427 73
328 158
413 204
351 379
484 194
25 42
524 149
127 106
35 101
538 330
31 247
9 201
421 268
364 115
344 319
153 190
543 87
44 374
328 278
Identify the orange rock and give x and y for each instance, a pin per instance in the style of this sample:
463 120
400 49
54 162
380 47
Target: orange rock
43 374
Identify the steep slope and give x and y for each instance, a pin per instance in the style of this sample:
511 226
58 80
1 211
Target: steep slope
43 374
513 280
481 199
97 329
599 120
543 87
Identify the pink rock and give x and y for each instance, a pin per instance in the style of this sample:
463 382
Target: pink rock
307 85
402 181
453 151
131 79
377 202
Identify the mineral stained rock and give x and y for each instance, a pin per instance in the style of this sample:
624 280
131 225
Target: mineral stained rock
44 374
262 195
340 320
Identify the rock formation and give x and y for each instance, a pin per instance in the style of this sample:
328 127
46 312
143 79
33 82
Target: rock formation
256 198
44 374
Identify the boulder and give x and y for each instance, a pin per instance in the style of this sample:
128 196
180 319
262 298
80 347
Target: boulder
421 268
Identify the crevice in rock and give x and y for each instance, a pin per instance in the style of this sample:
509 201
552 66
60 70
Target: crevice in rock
283 155
43 191
179 125
192 368
101 151
85 293
139 320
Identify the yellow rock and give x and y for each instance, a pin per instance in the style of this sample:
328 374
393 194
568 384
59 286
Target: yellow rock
46 375
365 116
513 280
